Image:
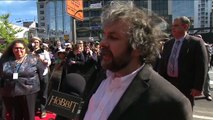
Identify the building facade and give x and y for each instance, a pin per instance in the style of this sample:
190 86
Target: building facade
53 20
202 18
91 26
58 24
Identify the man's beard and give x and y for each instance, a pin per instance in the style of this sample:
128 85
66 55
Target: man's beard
116 63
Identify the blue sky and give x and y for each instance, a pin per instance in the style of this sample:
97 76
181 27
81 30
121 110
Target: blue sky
19 10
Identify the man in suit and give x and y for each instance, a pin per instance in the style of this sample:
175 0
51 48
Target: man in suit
184 60
132 90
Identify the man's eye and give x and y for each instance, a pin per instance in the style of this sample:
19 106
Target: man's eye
113 37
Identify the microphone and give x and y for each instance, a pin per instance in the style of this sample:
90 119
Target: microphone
73 84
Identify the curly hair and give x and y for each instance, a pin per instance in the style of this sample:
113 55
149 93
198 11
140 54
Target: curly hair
8 53
144 29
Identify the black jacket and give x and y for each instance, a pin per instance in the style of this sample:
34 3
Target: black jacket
148 97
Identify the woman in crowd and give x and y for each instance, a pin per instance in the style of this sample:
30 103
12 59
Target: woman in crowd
44 56
20 75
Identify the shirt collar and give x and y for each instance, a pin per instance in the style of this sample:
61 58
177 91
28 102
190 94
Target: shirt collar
111 74
181 39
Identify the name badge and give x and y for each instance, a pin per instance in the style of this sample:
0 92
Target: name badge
15 75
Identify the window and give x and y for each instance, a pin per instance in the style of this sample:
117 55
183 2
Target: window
83 34
42 24
86 4
95 13
42 12
86 13
42 18
41 6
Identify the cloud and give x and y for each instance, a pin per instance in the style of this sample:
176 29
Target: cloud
7 2
10 2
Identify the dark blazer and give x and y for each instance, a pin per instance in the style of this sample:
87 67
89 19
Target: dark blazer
78 66
192 64
149 97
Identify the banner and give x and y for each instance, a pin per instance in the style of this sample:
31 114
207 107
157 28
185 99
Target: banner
75 9
63 104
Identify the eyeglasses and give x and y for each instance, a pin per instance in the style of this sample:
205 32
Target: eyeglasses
19 48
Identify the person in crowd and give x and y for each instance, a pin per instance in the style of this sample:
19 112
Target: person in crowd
91 64
81 45
60 60
58 47
55 77
206 86
87 51
184 60
75 60
92 67
132 90
97 55
20 75
44 56
96 51
68 47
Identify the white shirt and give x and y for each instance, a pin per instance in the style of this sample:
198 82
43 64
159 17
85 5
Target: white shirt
107 95
46 56
175 66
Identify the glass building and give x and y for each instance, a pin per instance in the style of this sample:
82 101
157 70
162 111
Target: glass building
91 26
58 23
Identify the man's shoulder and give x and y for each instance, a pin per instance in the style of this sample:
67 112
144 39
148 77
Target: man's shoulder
159 84
169 42
193 38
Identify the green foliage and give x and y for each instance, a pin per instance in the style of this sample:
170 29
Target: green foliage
7 32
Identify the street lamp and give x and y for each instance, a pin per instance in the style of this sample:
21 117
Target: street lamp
74 26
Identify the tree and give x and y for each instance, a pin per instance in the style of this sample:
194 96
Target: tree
7 32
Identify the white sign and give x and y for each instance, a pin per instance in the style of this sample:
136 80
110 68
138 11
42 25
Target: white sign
96 5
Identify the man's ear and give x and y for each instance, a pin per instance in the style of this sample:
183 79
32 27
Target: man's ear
186 26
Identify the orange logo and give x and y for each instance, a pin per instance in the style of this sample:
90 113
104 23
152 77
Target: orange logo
75 9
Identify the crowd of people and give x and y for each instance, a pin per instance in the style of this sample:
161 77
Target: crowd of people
26 71
134 72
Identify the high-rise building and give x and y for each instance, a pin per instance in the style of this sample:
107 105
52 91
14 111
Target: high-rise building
202 19
198 11
53 18
41 19
57 23
91 26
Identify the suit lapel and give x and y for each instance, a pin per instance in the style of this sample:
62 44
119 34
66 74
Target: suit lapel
133 92
168 51
169 48
171 45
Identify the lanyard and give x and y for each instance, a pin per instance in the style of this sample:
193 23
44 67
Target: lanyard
18 65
